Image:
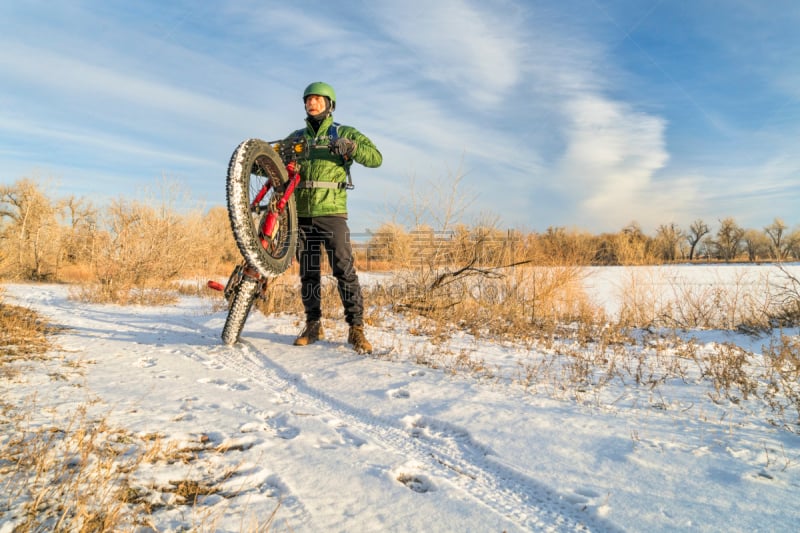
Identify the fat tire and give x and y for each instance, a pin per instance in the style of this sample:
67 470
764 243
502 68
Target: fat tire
242 301
254 163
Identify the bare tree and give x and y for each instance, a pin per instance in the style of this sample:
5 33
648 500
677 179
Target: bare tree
775 232
729 239
756 244
792 244
30 225
668 237
149 246
697 230
79 244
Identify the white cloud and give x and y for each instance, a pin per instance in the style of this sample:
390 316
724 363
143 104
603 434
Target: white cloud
465 48
612 152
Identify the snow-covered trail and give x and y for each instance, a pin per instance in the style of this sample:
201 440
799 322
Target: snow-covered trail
328 440
335 458
439 452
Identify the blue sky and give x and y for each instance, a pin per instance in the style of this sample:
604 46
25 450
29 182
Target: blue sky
586 114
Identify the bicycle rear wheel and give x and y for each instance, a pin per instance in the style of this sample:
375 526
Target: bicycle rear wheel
255 167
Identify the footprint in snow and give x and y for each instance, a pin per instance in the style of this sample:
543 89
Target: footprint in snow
238 386
346 437
398 393
282 429
146 362
416 482
349 437
223 384
213 365
253 427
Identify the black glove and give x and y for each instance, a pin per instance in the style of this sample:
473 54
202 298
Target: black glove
343 147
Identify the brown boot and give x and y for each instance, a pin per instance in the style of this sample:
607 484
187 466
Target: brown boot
310 334
358 340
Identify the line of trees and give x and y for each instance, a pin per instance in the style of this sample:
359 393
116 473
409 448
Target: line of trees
126 244
629 246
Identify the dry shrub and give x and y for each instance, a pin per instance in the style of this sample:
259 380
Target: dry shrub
729 369
23 333
566 247
147 249
524 302
640 297
389 246
782 369
475 281
631 248
283 296
148 246
787 295
477 277
213 249
659 297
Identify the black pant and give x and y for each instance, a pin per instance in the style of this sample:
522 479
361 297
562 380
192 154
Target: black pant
332 233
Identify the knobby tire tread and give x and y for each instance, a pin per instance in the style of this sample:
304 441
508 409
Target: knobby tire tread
241 303
254 162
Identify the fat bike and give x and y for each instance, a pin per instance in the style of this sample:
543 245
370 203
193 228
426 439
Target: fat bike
262 177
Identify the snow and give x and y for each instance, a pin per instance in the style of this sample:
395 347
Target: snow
318 438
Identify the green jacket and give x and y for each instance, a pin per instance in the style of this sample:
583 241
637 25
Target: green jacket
324 166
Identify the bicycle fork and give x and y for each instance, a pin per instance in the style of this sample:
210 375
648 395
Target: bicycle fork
271 226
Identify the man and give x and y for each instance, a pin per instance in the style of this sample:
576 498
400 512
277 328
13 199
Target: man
321 199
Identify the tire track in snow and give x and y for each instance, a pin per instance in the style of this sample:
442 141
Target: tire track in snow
447 452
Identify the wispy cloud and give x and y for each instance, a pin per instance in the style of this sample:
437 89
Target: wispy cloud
109 144
93 83
468 48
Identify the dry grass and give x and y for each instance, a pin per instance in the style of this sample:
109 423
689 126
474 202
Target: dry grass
82 476
78 472
80 274
654 297
515 300
24 336
124 296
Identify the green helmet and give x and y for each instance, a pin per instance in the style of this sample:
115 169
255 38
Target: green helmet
322 89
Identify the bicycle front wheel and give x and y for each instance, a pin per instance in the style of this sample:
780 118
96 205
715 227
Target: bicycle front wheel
241 302
255 184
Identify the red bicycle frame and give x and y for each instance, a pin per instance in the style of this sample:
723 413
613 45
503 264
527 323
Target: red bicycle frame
270 226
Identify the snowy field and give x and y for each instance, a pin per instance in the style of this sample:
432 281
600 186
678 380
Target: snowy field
319 438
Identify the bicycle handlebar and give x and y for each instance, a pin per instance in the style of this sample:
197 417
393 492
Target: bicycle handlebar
298 150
